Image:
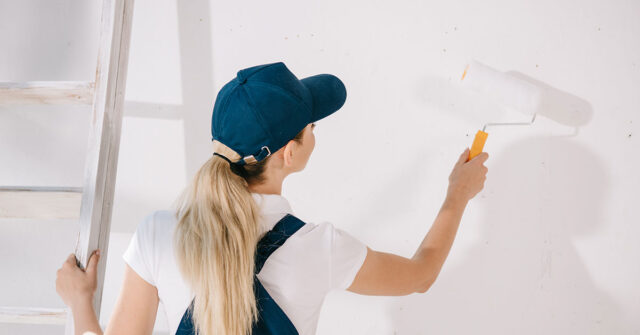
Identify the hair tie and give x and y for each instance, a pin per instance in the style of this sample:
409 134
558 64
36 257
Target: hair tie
235 168
225 158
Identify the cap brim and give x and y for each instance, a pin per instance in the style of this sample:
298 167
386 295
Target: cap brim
328 92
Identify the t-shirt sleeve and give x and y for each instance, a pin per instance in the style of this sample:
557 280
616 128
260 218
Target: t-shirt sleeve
139 253
347 256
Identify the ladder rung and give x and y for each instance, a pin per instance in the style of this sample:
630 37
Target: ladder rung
47 92
40 202
52 316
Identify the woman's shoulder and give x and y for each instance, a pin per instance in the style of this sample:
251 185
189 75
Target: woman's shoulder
158 219
146 251
164 218
157 226
313 229
320 254
327 234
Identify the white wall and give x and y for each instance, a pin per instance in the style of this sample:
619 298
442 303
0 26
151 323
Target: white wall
549 246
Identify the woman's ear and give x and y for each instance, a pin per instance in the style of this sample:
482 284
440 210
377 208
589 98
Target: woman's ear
288 153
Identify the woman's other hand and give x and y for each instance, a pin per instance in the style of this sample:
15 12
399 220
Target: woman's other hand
74 285
467 178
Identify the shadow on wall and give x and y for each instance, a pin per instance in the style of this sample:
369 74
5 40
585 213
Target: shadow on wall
196 67
198 93
524 275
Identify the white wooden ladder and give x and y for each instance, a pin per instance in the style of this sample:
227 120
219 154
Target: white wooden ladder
92 203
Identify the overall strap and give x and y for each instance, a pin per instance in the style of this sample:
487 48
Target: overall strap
275 238
271 318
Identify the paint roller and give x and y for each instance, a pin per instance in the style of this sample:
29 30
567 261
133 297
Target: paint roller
510 92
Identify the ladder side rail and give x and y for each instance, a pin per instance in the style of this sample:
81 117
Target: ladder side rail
104 139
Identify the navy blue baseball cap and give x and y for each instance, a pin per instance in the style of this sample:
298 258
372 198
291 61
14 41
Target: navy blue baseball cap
265 106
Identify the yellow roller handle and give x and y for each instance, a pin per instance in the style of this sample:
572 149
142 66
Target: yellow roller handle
478 144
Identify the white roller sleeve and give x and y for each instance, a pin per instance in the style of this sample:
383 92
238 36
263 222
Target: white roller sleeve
509 91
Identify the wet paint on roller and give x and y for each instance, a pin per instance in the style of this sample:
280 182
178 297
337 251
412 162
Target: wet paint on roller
465 72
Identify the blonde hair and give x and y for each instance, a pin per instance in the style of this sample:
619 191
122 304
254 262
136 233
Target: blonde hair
215 243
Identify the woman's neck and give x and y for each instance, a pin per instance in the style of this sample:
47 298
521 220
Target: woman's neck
269 186
272 183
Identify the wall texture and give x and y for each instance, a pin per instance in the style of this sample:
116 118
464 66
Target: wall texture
549 246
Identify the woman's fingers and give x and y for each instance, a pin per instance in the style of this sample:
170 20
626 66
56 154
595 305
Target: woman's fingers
481 158
463 157
71 259
74 284
467 177
93 262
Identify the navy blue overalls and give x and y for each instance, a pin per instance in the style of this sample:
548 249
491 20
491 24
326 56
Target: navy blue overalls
271 318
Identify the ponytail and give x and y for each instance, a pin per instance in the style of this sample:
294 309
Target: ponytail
215 242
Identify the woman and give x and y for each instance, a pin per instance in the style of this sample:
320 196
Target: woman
232 258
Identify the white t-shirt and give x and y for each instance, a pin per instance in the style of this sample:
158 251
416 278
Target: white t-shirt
298 275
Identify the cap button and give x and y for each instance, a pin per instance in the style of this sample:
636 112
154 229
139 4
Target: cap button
241 79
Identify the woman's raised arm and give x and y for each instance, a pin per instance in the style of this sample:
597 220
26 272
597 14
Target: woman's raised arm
388 274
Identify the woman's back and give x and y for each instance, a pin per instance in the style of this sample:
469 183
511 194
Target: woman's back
298 275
